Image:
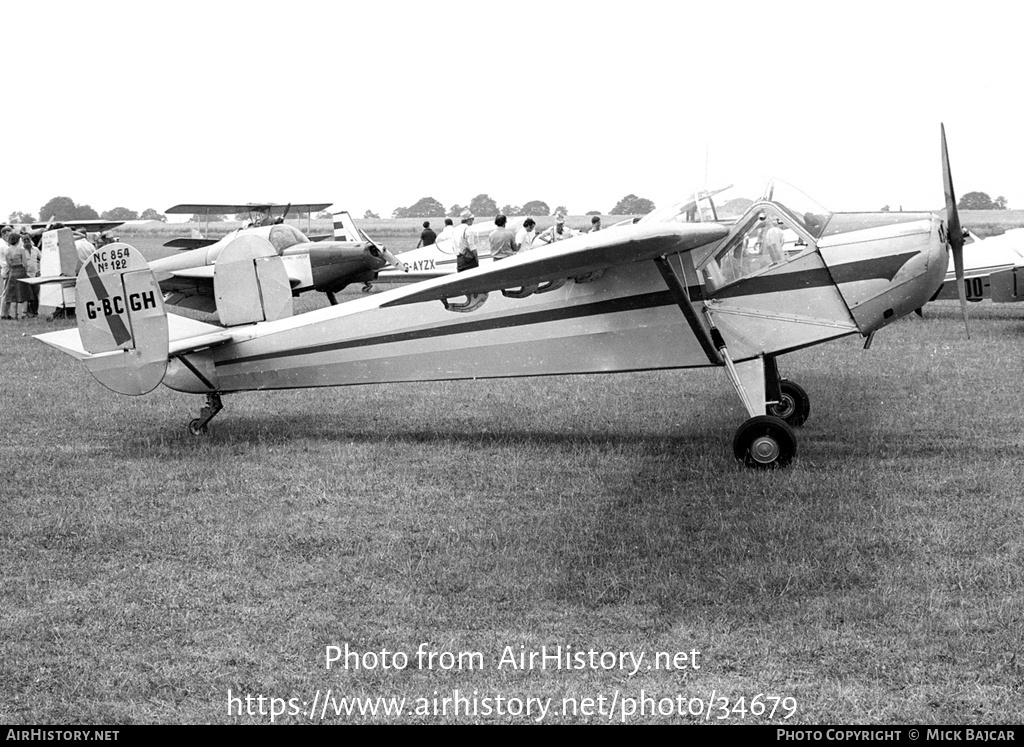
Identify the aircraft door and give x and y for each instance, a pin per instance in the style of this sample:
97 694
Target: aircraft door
767 288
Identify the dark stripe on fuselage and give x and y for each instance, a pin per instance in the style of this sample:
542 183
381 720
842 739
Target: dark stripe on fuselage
612 306
114 322
884 268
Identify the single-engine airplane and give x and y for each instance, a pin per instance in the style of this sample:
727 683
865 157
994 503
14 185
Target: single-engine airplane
670 291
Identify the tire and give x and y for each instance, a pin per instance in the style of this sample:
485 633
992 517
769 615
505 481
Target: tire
795 405
195 428
765 442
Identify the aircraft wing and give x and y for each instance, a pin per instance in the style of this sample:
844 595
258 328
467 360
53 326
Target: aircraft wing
568 258
190 289
65 280
97 226
189 243
298 207
193 288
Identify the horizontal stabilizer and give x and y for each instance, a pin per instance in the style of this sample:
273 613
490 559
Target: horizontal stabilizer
572 257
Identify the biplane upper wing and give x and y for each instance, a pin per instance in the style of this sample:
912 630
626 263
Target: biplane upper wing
576 256
193 208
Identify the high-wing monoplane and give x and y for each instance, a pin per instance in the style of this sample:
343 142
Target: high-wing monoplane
671 291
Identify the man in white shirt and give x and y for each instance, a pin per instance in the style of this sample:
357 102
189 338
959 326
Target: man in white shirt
526 235
465 254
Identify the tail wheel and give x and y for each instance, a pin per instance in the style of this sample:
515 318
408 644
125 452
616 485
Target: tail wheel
795 405
765 442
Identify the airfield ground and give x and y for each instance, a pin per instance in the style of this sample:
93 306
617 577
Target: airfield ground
151 576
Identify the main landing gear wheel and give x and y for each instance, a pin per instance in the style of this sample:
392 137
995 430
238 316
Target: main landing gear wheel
197 427
765 442
795 405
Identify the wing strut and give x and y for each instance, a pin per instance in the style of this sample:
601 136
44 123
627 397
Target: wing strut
682 299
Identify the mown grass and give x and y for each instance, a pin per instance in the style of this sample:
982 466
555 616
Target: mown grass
878 580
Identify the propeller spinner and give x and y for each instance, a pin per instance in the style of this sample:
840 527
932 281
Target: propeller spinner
954 232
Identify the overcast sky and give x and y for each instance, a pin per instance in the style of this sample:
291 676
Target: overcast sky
373 105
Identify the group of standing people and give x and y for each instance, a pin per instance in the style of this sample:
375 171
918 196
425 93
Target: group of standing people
19 258
504 242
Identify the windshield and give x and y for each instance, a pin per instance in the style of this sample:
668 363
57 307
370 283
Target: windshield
807 212
697 207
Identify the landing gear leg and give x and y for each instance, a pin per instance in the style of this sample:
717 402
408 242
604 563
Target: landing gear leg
765 441
197 426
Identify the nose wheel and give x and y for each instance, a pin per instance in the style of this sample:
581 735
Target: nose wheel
765 442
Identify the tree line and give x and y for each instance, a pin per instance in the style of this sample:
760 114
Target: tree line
485 205
65 209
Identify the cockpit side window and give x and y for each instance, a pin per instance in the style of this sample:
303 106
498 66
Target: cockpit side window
766 239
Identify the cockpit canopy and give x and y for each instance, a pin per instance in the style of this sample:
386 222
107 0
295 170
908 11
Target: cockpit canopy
724 205
809 213
283 236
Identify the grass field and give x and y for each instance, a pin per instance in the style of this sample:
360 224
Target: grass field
149 575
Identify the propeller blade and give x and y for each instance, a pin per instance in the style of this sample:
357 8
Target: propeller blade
954 232
392 259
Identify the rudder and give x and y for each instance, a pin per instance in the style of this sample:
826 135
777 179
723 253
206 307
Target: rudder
121 320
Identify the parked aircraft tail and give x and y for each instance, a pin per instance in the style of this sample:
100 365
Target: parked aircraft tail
345 228
121 320
125 337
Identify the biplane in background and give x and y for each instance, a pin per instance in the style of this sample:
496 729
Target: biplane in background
993 269
671 291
